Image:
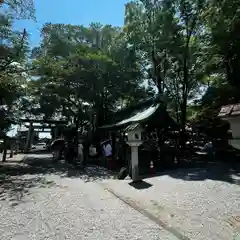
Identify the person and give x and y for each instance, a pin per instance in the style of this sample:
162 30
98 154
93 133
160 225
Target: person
70 152
107 151
92 151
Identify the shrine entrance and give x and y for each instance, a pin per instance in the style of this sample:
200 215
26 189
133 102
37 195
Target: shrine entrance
34 127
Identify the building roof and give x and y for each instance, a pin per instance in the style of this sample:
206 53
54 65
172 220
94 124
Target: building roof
137 117
132 127
149 112
230 110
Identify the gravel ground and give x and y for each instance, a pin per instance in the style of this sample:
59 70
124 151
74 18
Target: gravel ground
197 203
60 205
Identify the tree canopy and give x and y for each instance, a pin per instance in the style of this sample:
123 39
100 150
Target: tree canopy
186 51
14 50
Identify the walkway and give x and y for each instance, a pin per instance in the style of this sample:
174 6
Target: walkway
200 204
40 200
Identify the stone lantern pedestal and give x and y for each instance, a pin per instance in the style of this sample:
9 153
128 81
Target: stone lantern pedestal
134 141
134 159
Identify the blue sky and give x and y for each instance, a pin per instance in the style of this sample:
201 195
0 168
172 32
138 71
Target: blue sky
75 12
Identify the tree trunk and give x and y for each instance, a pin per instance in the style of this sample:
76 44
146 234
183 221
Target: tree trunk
156 72
184 113
184 99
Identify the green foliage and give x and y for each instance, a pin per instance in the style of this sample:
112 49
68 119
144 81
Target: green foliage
168 35
20 9
185 47
181 49
13 57
222 23
79 65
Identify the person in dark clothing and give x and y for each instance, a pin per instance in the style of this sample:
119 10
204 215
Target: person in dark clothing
70 152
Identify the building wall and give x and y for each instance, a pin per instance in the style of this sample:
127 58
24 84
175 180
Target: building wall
235 126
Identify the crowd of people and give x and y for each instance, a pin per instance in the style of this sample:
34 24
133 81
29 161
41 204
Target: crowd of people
106 148
84 151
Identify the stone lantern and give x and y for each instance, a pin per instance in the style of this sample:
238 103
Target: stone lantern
134 133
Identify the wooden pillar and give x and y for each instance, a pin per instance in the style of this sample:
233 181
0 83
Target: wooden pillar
4 157
11 151
52 134
28 141
55 133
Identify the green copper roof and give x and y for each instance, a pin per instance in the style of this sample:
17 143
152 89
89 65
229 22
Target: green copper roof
137 117
152 112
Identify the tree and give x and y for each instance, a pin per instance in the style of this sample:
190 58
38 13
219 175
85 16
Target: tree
19 9
13 43
222 53
92 65
13 55
168 35
222 22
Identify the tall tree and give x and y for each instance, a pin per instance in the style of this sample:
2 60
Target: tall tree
223 21
13 56
168 35
90 65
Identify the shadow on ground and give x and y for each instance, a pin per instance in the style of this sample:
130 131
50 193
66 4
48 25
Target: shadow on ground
217 171
34 164
140 185
39 151
17 179
14 188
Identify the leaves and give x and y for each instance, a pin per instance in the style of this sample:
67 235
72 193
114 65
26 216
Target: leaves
13 56
79 65
176 48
